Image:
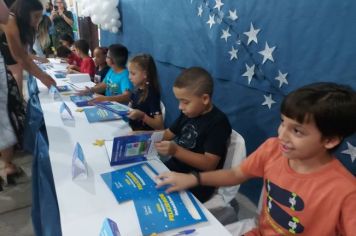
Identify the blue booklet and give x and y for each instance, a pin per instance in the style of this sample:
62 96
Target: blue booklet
116 108
81 100
63 88
132 148
60 75
95 114
156 210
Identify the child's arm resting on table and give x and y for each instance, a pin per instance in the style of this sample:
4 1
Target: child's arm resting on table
205 162
155 122
122 98
180 181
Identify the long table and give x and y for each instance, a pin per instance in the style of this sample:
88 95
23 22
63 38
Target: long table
84 203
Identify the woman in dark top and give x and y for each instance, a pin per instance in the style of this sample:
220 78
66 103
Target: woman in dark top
62 22
19 29
145 100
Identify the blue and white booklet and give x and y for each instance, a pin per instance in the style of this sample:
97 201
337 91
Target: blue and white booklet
95 114
132 148
114 107
81 100
156 210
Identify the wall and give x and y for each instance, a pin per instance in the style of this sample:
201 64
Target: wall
313 40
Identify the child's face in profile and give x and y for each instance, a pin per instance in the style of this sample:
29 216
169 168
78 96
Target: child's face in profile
190 104
137 76
109 60
302 141
65 43
99 57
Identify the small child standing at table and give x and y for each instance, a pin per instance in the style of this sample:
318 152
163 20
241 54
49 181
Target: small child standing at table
145 99
101 67
200 133
116 83
70 57
307 191
81 48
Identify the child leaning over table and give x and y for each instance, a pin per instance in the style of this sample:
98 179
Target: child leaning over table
307 191
116 83
200 133
146 97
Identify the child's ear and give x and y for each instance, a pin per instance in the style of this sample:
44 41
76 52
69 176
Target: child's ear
206 99
331 142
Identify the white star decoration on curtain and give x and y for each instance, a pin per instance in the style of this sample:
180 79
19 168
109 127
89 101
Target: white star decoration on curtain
250 71
225 34
267 53
351 150
268 101
218 4
233 15
252 34
282 78
229 30
200 10
211 21
233 53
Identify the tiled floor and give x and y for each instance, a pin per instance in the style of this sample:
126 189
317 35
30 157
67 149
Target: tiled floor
15 202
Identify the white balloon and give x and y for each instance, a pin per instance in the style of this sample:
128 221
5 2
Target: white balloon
115 29
94 19
105 26
113 21
85 12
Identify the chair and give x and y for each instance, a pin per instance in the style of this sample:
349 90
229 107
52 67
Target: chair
243 226
219 204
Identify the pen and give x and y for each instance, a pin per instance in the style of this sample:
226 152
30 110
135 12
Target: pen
184 232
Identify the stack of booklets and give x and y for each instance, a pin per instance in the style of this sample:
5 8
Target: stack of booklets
156 211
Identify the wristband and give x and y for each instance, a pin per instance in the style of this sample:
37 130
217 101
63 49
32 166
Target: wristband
196 175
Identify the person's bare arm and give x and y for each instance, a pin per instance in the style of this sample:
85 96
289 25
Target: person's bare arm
122 98
68 20
180 181
203 161
155 122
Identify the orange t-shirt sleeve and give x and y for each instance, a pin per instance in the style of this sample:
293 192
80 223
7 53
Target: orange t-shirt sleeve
255 163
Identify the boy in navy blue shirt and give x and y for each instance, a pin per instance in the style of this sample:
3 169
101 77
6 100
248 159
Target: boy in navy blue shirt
197 140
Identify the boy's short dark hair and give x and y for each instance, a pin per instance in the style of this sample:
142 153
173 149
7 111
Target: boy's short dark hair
330 105
197 80
68 38
63 51
82 45
119 54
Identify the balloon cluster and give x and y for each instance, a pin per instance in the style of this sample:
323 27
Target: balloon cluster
102 12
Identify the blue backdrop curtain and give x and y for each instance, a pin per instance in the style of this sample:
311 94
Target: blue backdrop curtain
312 40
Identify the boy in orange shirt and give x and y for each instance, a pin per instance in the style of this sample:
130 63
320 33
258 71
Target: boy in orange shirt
307 191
